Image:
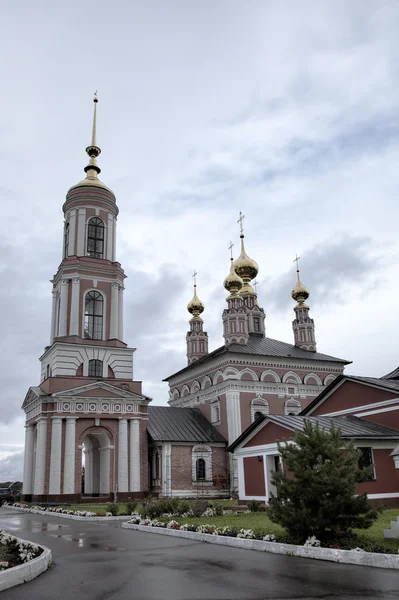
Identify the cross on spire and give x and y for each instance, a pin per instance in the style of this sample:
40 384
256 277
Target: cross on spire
240 220
256 286
231 248
194 275
296 259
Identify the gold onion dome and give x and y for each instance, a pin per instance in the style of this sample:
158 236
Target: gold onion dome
246 268
195 306
300 293
233 282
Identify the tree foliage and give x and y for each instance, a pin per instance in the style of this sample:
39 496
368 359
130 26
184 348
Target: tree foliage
316 490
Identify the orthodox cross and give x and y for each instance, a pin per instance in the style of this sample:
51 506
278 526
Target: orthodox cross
194 275
240 222
256 286
296 259
231 248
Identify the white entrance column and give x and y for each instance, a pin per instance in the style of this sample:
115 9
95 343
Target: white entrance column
135 483
40 463
167 469
74 322
105 469
63 308
28 460
113 331
88 489
69 456
120 313
123 484
55 456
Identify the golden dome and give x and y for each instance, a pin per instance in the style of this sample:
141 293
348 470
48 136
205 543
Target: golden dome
195 306
233 282
300 293
246 268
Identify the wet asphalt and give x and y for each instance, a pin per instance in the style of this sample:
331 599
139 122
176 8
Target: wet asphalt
102 561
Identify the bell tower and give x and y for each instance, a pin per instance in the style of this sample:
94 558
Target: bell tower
87 401
196 338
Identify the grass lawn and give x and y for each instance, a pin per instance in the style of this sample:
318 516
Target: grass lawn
261 524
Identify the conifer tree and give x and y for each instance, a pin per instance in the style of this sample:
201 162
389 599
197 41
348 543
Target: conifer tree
316 490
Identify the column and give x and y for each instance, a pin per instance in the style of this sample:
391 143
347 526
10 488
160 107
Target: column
105 470
55 456
69 456
88 489
114 241
53 313
80 251
120 313
113 330
63 308
123 485
40 463
135 483
74 321
110 241
28 460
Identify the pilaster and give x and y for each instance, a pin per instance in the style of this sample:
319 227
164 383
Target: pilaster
120 313
113 333
53 314
74 320
63 308
233 415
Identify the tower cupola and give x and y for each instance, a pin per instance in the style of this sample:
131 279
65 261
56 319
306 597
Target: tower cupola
302 325
196 338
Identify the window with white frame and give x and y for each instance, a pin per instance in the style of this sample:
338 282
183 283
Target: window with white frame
292 407
94 309
215 411
259 407
202 463
95 238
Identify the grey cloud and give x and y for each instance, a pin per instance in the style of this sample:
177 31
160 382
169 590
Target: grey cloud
327 270
11 467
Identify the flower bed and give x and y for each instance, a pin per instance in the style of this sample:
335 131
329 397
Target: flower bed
14 551
57 509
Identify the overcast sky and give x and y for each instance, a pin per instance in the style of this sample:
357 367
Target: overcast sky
287 111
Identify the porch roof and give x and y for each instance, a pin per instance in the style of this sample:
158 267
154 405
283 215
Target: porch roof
169 424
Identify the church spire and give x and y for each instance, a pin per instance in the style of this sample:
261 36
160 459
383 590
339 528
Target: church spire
93 150
302 325
196 338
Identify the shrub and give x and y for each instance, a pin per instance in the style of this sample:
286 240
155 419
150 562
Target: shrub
319 500
152 509
254 506
218 508
131 506
199 507
113 509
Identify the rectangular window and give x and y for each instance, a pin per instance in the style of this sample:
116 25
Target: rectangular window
256 324
366 461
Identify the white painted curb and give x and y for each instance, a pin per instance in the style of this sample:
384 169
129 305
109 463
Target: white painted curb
370 559
46 513
27 571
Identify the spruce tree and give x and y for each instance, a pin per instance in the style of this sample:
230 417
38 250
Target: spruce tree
316 490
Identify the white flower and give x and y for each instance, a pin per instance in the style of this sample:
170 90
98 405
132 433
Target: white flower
246 534
357 549
108 514
270 537
312 541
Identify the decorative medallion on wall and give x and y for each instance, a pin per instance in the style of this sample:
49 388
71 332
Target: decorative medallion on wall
105 408
66 406
92 407
79 406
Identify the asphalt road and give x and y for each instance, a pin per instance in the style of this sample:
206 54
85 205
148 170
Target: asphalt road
102 561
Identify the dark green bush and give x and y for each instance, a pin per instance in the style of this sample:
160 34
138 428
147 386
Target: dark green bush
199 507
131 506
113 509
254 506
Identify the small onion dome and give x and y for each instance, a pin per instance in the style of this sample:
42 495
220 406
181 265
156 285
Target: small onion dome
195 306
246 268
233 282
300 293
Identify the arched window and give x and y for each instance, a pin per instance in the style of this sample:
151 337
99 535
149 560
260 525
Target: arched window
200 469
66 240
94 307
259 407
95 238
95 368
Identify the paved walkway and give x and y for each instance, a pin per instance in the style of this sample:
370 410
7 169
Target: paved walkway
105 562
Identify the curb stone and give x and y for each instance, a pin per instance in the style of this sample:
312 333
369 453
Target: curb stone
369 559
27 571
45 513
